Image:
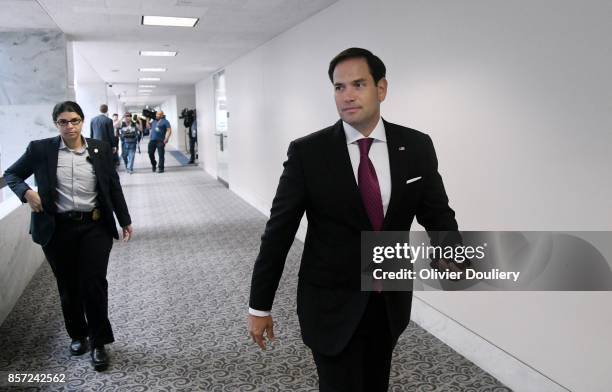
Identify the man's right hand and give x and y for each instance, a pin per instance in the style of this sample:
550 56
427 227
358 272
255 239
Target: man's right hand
258 326
33 200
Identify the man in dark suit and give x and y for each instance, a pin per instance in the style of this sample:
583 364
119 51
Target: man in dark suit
102 128
361 174
72 219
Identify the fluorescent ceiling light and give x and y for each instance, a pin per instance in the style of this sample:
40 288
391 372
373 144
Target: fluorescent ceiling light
152 69
149 79
147 86
148 20
145 91
161 53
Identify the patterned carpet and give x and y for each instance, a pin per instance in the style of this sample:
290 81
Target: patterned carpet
178 304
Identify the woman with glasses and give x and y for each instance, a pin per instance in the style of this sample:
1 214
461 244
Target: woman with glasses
72 219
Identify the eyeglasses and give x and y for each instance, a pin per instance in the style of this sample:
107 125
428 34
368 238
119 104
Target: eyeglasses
64 123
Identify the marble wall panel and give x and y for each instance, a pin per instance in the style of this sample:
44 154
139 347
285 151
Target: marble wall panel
19 124
32 67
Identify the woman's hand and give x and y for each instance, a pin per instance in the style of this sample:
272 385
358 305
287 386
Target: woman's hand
33 200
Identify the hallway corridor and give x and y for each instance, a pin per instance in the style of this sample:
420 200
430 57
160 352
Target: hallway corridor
178 304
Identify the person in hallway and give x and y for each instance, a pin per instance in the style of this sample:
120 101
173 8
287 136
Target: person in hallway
101 128
129 135
123 148
72 219
160 134
360 174
193 139
116 126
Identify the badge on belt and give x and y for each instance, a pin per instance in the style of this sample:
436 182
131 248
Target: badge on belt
96 214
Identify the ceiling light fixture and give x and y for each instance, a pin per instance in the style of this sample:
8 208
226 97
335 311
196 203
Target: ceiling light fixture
149 20
152 69
159 53
149 79
145 91
146 86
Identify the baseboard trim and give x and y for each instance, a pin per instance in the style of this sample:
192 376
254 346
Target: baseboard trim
513 373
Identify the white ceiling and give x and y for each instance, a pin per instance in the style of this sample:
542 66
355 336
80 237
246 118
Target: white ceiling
23 14
108 35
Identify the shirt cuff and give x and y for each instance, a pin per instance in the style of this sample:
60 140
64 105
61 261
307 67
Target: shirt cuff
259 313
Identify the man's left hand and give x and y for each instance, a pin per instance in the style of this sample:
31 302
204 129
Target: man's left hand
127 233
260 326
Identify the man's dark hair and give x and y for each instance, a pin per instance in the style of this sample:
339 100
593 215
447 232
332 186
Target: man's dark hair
104 108
377 67
67 106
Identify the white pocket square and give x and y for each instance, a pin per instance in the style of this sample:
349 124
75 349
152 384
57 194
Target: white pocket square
413 180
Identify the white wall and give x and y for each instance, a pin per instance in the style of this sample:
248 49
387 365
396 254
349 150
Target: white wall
114 105
90 96
170 111
205 103
516 97
91 91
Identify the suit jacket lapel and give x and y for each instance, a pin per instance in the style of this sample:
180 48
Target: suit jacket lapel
94 154
52 153
340 162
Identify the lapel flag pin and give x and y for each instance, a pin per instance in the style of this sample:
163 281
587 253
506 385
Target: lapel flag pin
402 148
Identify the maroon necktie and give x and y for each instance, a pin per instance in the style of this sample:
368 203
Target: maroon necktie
368 185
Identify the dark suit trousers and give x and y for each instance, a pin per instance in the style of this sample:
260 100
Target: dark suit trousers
192 142
161 149
365 363
78 254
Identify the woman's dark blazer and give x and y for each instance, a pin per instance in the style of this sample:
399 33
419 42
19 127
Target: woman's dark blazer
40 159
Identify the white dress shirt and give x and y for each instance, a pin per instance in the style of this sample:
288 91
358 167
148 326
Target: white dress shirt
379 155
76 180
